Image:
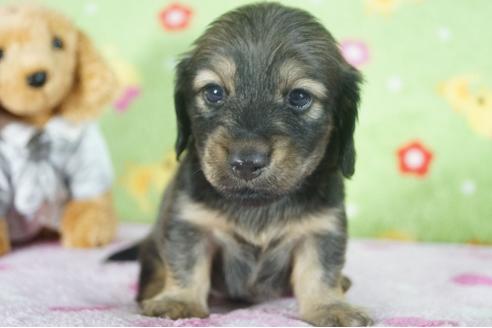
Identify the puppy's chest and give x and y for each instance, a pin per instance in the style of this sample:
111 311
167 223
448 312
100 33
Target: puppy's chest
254 253
252 272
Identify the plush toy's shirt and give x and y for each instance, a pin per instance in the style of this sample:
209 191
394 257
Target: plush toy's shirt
40 170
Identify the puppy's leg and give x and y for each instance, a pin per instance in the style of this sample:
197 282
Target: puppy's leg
318 284
185 272
88 223
4 237
152 271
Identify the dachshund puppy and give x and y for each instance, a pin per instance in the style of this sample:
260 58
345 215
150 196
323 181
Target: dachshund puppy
266 108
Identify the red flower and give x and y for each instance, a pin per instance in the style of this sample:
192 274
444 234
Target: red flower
175 17
414 158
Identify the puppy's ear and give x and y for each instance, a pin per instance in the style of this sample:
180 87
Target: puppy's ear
347 106
182 119
94 83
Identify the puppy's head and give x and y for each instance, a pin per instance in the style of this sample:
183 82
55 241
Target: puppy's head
47 64
264 97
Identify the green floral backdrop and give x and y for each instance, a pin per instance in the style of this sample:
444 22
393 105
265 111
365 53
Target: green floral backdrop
424 137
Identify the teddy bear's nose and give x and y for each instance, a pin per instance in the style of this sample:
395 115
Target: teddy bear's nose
37 79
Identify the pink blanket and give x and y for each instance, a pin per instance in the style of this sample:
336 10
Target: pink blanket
400 284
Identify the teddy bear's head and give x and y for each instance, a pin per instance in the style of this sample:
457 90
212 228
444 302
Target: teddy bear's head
48 66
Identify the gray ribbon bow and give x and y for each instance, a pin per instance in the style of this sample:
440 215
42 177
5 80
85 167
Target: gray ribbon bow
39 182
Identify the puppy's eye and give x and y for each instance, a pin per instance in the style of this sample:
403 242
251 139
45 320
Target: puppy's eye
57 42
214 94
1 53
299 99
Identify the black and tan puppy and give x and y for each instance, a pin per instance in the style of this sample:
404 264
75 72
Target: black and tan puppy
266 108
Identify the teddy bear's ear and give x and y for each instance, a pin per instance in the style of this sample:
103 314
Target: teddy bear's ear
94 84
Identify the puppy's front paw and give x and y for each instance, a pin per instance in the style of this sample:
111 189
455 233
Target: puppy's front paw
88 224
337 315
173 309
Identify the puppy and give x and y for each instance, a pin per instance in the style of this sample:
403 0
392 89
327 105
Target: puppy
266 108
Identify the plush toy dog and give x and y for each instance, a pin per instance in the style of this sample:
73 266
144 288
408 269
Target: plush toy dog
55 171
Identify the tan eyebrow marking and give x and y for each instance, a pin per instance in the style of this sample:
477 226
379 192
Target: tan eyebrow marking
204 77
226 68
313 86
222 72
294 77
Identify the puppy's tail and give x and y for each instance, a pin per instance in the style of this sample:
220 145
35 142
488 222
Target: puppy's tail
126 254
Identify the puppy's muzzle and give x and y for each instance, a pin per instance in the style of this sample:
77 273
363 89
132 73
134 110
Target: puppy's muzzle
249 163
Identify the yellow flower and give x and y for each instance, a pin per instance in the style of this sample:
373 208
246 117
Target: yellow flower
140 180
396 235
387 7
475 104
383 7
479 112
125 72
457 92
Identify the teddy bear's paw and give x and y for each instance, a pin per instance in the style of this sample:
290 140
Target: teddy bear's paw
88 224
4 238
4 246
172 308
337 315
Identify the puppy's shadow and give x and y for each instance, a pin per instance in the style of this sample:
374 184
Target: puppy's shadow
220 305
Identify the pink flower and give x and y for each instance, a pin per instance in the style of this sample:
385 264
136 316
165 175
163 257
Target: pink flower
414 158
472 279
419 322
126 98
355 52
175 17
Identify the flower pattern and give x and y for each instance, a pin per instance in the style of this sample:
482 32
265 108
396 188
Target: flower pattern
175 17
355 52
450 93
414 159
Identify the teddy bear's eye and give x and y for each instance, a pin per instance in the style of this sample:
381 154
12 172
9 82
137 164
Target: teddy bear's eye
1 53
57 43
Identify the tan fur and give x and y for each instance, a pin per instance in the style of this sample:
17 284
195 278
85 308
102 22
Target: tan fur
89 223
217 224
215 153
307 280
293 77
177 301
95 84
284 156
290 71
226 68
319 303
4 237
155 284
314 87
222 73
205 77
214 159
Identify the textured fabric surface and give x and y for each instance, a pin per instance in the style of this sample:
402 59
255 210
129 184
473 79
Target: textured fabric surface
425 129
400 284
41 169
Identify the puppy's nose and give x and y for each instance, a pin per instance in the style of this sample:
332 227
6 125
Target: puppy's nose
248 165
37 79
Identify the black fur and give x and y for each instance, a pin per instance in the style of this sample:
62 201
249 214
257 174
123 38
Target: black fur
306 180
